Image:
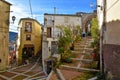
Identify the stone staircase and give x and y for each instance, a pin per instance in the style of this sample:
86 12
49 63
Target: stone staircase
81 48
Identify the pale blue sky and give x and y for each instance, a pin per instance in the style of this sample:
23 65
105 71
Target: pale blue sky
21 8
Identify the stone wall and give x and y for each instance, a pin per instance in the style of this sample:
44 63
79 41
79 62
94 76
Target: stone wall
4 33
111 55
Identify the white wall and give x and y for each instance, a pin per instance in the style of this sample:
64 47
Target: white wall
100 12
72 20
112 11
60 20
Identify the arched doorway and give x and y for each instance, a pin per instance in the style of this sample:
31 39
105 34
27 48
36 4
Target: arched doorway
86 24
88 28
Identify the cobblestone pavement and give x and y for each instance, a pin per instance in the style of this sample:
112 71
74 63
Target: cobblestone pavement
31 71
54 76
69 74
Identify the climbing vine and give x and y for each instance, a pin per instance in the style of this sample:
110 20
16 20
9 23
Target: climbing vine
95 32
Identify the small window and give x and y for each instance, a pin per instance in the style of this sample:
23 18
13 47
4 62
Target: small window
28 27
51 17
28 37
0 60
49 32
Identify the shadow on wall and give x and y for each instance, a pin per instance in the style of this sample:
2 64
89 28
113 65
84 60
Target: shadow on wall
112 31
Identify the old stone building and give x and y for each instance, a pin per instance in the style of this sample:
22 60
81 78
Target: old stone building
53 20
86 21
29 38
4 33
52 32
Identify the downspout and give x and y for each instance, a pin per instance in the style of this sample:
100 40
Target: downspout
103 30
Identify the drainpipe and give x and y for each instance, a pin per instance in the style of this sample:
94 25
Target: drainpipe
101 39
103 28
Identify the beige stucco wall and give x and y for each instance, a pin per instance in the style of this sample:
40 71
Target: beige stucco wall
112 20
112 33
35 36
4 34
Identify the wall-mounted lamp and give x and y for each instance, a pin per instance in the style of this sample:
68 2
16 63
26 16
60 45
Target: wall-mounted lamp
101 7
13 18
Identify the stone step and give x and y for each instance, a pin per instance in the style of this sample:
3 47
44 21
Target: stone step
78 69
89 51
94 78
83 48
78 52
77 49
84 60
79 43
83 52
79 46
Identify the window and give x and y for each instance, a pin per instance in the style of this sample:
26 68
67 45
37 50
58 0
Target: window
51 17
0 60
48 32
28 27
28 37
